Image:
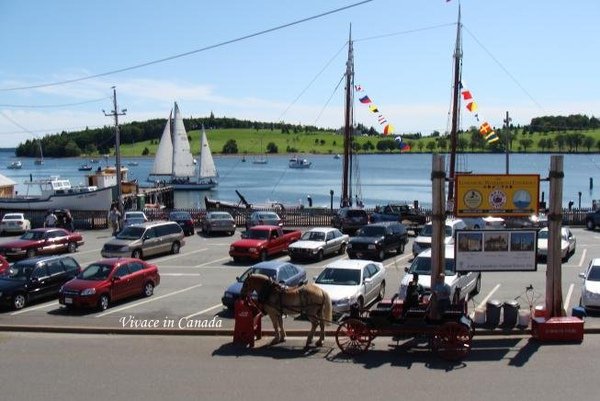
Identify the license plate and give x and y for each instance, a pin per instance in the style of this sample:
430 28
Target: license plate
68 301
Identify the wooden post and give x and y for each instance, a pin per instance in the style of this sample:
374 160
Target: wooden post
554 302
438 217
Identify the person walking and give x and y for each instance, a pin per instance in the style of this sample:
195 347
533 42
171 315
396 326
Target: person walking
114 217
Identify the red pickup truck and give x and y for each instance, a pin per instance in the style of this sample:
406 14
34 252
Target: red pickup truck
260 242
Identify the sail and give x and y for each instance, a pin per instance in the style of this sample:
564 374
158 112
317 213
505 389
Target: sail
163 162
183 162
207 164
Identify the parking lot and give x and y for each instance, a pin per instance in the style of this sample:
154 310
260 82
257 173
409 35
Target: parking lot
193 281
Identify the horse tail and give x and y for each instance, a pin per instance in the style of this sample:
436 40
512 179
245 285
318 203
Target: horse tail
327 309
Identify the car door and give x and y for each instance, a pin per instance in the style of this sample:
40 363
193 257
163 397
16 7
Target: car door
277 242
121 283
152 242
331 243
37 287
137 277
367 281
56 276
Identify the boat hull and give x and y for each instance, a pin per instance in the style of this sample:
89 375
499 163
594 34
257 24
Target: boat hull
99 199
193 186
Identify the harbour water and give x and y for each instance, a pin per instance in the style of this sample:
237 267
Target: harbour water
383 178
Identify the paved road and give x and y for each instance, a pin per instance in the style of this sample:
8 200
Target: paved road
100 367
193 282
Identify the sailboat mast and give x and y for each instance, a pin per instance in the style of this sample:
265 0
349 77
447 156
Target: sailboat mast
455 107
346 199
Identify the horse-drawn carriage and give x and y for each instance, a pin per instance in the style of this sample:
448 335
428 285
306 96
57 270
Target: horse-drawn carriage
449 334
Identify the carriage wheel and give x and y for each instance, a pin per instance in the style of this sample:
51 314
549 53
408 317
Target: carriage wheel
353 337
452 341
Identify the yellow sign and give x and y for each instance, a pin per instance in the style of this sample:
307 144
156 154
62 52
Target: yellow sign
500 195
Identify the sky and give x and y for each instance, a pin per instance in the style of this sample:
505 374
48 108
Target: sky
530 58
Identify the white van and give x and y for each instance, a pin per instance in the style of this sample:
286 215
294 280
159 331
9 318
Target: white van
423 241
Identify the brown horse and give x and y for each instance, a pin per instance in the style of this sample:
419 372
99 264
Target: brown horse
277 300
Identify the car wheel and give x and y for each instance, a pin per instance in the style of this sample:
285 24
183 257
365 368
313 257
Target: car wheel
103 302
589 224
381 291
237 259
351 256
30 253
19 301
137 254
381 255
263 256
206 231
320 255
231 233
401 247
342 249
175 248
148 289
192 231
72 247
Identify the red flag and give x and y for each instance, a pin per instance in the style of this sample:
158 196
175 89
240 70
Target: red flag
365 99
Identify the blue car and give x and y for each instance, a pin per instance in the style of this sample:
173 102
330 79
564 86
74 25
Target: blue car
283 272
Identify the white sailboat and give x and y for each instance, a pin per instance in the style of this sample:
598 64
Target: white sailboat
262 159
175 162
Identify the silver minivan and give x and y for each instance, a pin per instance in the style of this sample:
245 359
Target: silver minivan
147 239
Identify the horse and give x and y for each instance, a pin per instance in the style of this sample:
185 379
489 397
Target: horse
276 300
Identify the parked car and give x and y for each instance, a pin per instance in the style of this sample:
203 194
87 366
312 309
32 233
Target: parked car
185 220
423 240
378 239
590 287
535 221
350 282
14 223
592 219
413 218
462 285
348 220
283 272
261 242
568 243
263 218
484 223
218 222
130 218
319 242
36 278
42 241
109 280
146 239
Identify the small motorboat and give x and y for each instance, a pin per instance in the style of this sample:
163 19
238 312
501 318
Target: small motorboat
298 162
15 165
85 167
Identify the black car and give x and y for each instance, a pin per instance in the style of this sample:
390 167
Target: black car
377 239
348 220
185 220
36 278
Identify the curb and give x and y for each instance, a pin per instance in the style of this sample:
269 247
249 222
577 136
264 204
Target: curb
221 332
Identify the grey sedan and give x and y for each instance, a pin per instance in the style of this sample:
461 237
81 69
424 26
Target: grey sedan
221 222
319 242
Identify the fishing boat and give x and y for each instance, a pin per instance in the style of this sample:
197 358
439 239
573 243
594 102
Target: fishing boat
174 160
15 165
56 193
298 162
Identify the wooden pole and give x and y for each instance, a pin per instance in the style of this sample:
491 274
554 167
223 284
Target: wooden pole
438 217
554 302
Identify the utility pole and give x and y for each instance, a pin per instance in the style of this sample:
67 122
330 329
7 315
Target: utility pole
114 113
507 128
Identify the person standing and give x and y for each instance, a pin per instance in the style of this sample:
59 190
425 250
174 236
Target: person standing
50 220
114 216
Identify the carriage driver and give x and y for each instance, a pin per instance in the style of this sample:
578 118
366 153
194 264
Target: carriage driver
413 294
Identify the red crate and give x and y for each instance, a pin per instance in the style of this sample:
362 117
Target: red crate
567 328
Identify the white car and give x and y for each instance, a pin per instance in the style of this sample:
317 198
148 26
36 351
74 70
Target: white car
590 288
484 223
467 284
318 243
423 240
351 282
568 243
131 218
14 223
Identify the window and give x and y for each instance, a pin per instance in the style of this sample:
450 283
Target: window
55 267
121 271
135 267
330 236
39 272
150 233
70 265
373 269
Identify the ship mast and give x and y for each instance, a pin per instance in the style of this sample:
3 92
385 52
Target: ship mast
346 198
455 107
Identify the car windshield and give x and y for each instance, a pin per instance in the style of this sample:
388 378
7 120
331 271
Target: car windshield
422 265
543 234
131 232
339 276
428 230
12 217
18 271
371 231
356 213
219 216
594 274
180 216
313 236
33 235
95 272
257 234
134 216
257 270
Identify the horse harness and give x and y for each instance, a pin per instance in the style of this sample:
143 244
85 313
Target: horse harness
279 290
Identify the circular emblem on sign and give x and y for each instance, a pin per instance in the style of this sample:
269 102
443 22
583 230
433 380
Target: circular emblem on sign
497 199
521 199
472 199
